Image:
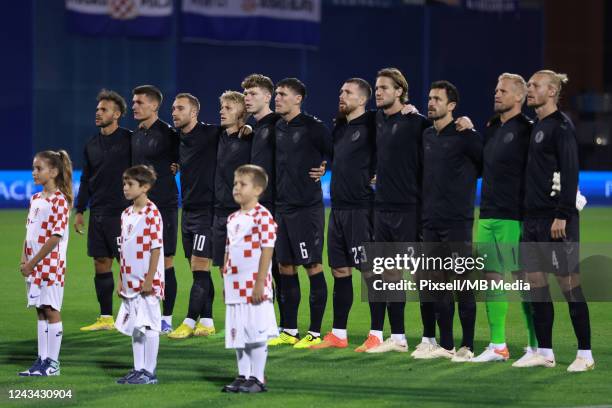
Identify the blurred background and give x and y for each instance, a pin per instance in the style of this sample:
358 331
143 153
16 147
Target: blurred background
59 54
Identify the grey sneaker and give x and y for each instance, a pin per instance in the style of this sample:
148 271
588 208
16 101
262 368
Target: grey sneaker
35 367
128 376
252 385
143 377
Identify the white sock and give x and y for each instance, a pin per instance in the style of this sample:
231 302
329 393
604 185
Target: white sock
399 338
377 333
244 363
292 332
207 322
189 322
42 339
315 334
167 319
138 349
54 340
586 354
151 349
430 340
531 349
499 346
339 333
547 353
258 353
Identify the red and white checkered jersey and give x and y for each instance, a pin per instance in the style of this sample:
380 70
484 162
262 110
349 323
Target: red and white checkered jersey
247 233
141 232
48 216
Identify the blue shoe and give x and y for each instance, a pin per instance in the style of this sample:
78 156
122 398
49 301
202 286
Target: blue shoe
165 328
128 376
143 377
32 369
47 368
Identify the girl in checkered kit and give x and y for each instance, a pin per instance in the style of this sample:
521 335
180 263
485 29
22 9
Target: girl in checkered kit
249 318
43 260
141 283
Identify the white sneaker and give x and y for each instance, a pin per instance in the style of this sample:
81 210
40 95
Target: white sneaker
389 345
528 353
536 360
441 352
492 354
462 355
423 350
581 364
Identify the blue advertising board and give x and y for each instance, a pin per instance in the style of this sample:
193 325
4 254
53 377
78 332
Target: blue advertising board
16 187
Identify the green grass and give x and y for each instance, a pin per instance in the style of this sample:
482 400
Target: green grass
191 372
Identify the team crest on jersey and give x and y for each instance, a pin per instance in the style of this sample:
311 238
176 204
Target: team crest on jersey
355 136
508 137
539 137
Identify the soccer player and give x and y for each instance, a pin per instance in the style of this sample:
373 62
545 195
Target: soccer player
553 220
399 168
302 144
249 316
258 90
452 164
501 209
107 155
234 150
197 162
43 260
141 283
156 144
350 222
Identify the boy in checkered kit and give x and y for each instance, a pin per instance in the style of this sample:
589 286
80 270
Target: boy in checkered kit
249 316
43 260
142 274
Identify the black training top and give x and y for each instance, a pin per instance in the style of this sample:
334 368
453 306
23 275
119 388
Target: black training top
301 144
233 152
452 164
353 162
105 160
158 146
399 166
198 161
262 154
552 147
503 173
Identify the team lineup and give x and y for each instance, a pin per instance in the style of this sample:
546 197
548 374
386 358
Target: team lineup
252 205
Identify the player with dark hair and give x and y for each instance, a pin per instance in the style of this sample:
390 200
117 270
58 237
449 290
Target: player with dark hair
302 144
155 143
452 164
106 156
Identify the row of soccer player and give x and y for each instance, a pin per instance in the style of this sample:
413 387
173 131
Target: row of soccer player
393 145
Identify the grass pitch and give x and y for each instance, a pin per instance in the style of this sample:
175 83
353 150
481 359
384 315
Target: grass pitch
191 372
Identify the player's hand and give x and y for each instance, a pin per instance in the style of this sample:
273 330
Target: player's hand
463 123
373 181
174 168
118 290
245 130
147 287
79 223
557 230
26 269
317 172
556 184
581 201
408 108
258 293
